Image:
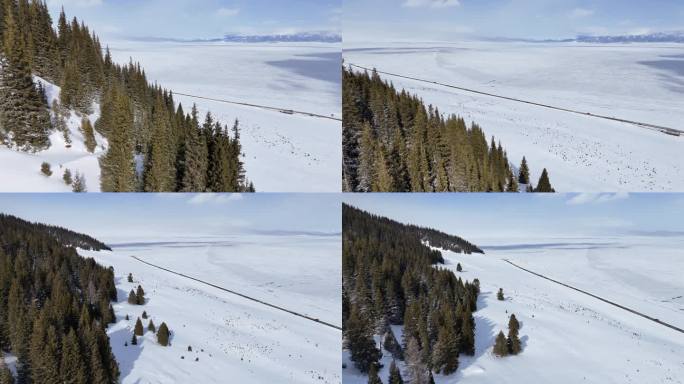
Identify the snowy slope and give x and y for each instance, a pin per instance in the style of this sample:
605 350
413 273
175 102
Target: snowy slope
569 337
21 170
284 152
236 340
635 82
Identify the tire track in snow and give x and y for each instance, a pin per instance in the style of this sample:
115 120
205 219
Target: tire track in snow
240 294
659 128
658 321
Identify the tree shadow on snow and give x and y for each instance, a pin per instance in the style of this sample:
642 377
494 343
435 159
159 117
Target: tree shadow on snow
125 356
485 333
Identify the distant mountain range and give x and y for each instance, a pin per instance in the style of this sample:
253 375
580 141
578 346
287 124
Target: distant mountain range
660 37
304 37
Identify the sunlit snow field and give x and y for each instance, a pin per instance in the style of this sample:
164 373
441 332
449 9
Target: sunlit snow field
569 337
643 82
236 340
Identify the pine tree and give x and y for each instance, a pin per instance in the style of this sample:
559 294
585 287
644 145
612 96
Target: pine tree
134 339
360 343
414 361
45 169
160 171
151 327
163 335
88 135
395 375
512 340
196 157
132 299
117 165
512 185
524 174
500 345
373 377
544 185
459 268
391 344
138 330
72 367
67 177
79 184
140 296
130 277
500 295
144 315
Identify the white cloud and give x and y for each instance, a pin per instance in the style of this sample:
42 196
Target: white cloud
227 12
214 198
431 3
581 12
596 198
75 3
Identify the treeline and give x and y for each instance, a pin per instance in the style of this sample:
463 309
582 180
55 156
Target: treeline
54 307
65 237
391 142
389 277
140 120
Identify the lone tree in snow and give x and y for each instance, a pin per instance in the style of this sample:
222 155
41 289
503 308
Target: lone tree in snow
499 295
131 298
130 277
140 296
138 328
458 267
513 341
134 340
544 185
524 175
45 169
500 345
67 177
144 315
79 184
163 335
151 327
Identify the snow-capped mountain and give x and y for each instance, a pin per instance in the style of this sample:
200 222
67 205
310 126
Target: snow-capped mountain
660 37
304 37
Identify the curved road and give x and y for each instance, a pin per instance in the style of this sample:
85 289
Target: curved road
241 295
658 321
660 128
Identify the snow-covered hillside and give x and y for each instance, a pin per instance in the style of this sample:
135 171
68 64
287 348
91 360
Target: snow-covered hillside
636 82
569 337
21 171
232 339
284 152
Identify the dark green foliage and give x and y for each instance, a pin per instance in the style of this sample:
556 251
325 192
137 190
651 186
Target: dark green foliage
151 327
132 299
45 169
130 277
144 315
140 296
388 276
50 311
88 135
137 118
373 377
392 142
391 344
395 375
163 335
500 295
67 177
544 185
512 340
459 268
138 330
79 184
134 339
524 174
500 345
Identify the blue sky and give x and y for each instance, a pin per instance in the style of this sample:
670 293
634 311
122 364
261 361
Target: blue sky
476 215
201 18
445 20
115 216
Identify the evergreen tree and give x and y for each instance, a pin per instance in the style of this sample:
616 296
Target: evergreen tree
160 172
395 375
67 177
544 185
196 157
138 330
459 268
134 339
144 315
500 295
79 184
445 352
163 335
414 361
140 296
117 165
373 377
130 277
88 135
391 344
132 299
500 345
45 169
361 345
524 174
151 327
72 367
512 340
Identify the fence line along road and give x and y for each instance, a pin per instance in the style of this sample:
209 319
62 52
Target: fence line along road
241 295
658 321
286 111
660 128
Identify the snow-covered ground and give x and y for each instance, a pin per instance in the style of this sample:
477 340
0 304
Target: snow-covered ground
569 337
21 171
284 152
235 340
640 82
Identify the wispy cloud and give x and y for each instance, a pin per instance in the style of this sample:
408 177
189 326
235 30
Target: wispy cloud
431 3
596 198
227 12
215 198
581 12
